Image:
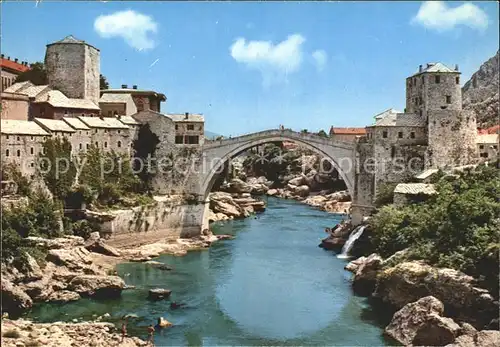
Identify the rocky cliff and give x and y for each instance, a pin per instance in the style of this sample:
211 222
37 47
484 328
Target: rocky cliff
480 93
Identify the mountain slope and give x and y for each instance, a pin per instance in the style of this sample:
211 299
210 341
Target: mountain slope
480 93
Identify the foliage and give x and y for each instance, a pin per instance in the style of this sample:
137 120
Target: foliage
11 172
145 147
385 194
322 133
103 82
457 228
56 166
270 162
304 131
36 75
84 228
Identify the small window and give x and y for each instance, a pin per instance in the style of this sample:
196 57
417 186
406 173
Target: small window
484 155
457 80
7 137
384 134
176 127
80 146
105 144
423 80
179 139
190 127
87 146
438 79
83 114
481 146
119 131
32 150
448 99
400 135
18 153
7 153
18 138
97 144
32 164
495 147
32 138
65 112
119 144
412 135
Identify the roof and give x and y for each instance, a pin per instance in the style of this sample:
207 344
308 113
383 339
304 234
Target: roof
348 131
70 39
487 138
76 123
33 91
426 173
21 127
415 188
55 125
115 98
129 120
435 67
133 91
16 87
13 66
103 122
399 119
491 130
191 117
58 99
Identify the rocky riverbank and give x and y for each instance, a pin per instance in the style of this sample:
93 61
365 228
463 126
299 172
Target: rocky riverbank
434 306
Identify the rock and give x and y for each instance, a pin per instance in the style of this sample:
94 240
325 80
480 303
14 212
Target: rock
158 265
316 201
272 192
63 296
297 181
340 196
99 246
163 323
74 259
101 286
467 329
224 237
13 298
68 242
353 265
488 338
159 294
225 208
365 278
420 323
301 191
238 186
33 271
408 281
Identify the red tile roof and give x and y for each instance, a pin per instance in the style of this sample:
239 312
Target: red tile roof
347 131
491 130
13 66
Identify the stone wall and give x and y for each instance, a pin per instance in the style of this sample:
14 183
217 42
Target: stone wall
45 110
22 150
14 106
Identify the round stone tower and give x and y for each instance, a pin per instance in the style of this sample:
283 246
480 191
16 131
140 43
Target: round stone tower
73 67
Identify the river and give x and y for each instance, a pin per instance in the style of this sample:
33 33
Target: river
271 285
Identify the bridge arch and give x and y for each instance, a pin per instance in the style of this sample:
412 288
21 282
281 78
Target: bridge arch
218 153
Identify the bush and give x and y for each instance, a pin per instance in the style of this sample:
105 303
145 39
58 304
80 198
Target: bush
385 194
11 172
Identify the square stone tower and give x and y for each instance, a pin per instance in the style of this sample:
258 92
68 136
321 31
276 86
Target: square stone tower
434 94
73 67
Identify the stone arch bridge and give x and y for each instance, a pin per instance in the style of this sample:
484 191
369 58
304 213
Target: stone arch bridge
216 154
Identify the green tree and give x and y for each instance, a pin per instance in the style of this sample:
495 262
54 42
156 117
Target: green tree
322 133
56 166
144 147
36 74
103 82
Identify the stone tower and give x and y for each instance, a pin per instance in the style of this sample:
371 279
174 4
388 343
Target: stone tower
73 67
434 93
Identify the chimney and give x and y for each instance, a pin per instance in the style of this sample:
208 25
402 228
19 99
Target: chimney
186 115
3 56
456 67
420 68
8 58
124 86
15 60
134 87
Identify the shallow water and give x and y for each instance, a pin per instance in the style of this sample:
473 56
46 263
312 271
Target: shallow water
271 285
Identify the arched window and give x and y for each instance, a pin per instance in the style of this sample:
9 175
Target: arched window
105 145
18 153
119 144
7 152
32 150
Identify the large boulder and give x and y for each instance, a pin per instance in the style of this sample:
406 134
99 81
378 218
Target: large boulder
483 338
302 191
297 181
408 281
159 294
99 246
14 300
101 286
365 278
33 271
420 323
238 186
67 242
63 296
74 259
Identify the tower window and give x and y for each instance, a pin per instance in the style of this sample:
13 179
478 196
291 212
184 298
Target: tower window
7 153
457 80
105 145
438 79
481 146
119 144
384 134
176 127
18 138
18 153
412 135
32 150
80 146
400 134
448 99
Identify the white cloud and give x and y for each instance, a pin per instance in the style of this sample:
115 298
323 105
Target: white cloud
320 59
131 26
437 15
275 61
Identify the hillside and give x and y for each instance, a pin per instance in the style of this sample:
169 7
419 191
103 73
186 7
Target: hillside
480 93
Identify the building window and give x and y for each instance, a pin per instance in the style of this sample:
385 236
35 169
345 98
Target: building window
105 144
190 127
400 134
65 112
423 80
81 146
484 155
412 135
32 138
448 99
32 164
97 144
7 137
495 147
18 153
457 80
179 139
438 79
192 140
7 153
481 146
87 146
32 150
18 138
119 131
384 134
176 127
119 144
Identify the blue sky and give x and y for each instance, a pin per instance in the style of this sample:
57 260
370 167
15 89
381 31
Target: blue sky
250 66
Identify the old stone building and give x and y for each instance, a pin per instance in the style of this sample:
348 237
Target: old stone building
488 145
109 134
14 106
189 128
433 132
143 100
10 70
73 67
346 134
21 143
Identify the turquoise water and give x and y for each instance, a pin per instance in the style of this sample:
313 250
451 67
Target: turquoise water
271 285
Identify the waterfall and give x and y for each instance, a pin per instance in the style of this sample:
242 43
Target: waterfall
356 234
